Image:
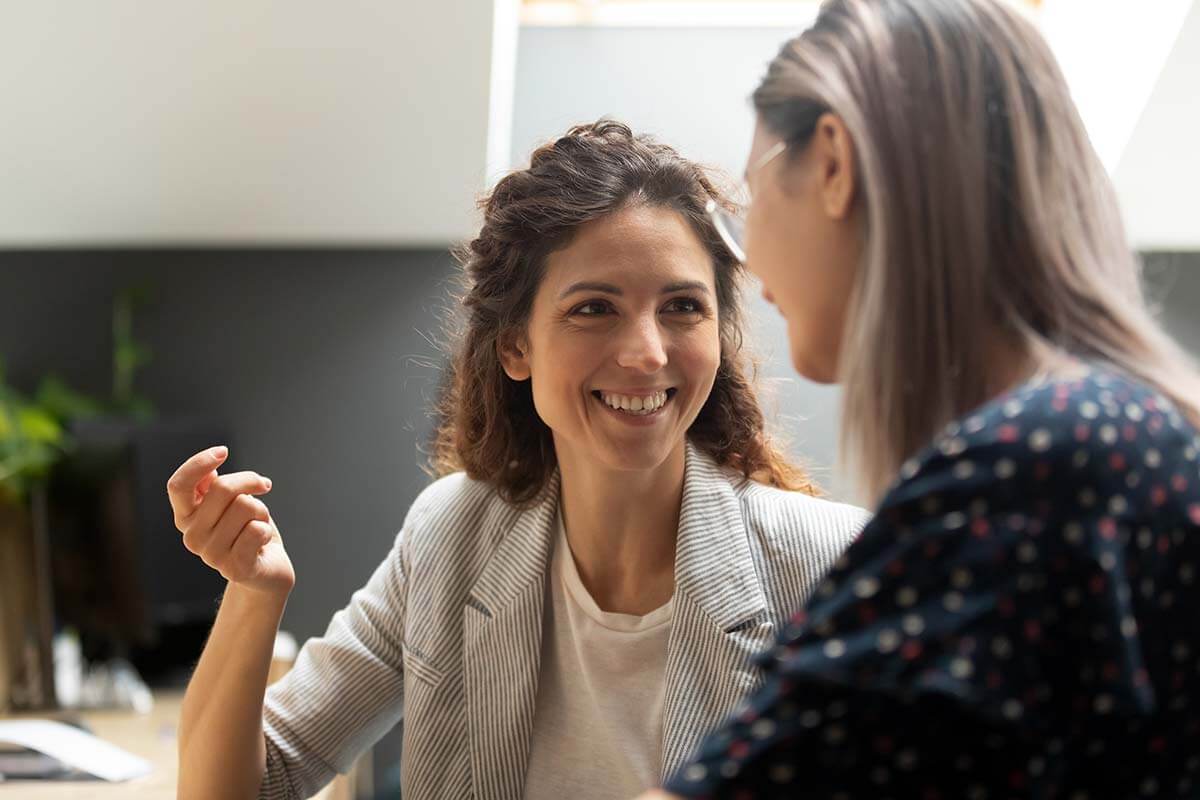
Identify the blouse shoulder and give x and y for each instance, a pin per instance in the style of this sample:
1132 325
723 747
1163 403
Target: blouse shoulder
1077 438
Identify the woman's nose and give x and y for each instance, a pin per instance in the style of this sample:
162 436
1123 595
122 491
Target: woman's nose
641 347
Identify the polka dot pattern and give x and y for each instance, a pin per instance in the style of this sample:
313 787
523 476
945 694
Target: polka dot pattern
1018 620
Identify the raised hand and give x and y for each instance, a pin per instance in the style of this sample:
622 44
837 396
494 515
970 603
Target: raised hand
227 526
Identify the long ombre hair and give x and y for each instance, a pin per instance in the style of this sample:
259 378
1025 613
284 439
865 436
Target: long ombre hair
986 214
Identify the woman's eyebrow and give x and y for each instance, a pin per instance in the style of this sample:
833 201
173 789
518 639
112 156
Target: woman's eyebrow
608 288
591 286
685 286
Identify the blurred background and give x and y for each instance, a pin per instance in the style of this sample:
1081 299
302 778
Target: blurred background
229 222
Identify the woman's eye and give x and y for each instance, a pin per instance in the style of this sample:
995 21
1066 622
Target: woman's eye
593 309
685 305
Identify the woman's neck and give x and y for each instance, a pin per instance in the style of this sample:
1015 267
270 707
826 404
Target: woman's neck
621 527
1012 364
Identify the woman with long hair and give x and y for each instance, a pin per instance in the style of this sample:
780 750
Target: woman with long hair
929 216
613 535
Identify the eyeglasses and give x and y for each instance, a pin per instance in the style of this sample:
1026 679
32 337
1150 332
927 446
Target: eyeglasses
732 227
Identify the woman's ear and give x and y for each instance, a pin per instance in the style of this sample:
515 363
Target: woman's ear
834 153
513 351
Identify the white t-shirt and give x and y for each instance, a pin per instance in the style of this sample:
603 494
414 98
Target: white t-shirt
597 730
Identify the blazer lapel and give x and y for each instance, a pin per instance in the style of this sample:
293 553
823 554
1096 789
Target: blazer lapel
502 639
721 616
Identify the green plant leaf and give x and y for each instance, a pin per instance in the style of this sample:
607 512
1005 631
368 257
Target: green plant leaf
19 468
38 425
64 402
32 440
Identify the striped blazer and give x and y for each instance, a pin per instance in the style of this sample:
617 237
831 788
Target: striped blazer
447 633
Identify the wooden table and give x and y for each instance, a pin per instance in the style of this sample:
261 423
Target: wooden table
151 736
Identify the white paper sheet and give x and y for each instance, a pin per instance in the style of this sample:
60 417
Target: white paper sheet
74 748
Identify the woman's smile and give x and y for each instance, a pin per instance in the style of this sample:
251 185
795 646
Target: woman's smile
635 408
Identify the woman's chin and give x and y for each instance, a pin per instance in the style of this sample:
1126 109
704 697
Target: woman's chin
814 367
639 455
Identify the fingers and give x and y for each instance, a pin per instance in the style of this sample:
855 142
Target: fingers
243 557
221 520
213 544
223 491
181 487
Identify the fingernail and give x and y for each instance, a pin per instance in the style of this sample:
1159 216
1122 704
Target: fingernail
267 481
220 452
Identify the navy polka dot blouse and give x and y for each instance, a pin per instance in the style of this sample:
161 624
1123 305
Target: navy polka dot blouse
1020 619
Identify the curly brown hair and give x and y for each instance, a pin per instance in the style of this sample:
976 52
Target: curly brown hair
487 424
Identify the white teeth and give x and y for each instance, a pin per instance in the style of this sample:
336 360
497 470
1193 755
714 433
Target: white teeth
638 406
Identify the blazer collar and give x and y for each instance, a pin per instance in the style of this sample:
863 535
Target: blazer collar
525 543
713 562
721 617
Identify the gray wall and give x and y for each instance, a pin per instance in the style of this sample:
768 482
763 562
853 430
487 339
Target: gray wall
319 362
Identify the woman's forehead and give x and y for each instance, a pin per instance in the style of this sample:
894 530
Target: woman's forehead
633 246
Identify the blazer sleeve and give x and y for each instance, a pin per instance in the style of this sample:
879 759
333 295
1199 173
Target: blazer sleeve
346 689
